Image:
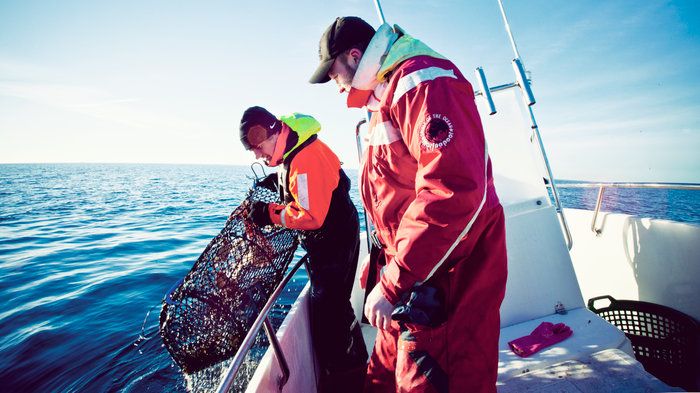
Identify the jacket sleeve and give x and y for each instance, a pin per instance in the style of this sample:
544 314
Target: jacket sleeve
313 176
440 125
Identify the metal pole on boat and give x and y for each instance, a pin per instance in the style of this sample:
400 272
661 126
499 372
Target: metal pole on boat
380 13
485 90
368 229
518 65
529 99
510 33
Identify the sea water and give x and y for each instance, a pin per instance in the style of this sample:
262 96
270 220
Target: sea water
86 251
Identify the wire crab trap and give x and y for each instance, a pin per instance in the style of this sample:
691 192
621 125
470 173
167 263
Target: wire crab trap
206 315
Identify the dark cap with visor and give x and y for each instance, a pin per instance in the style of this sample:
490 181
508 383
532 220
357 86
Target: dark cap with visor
341 35
258 124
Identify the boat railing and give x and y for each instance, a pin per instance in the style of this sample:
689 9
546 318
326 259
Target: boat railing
368 227
262 321
605 185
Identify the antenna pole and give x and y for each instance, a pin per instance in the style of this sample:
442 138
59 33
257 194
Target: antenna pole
510 33
529 99
380 13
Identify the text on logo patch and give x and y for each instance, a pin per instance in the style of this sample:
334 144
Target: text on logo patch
436 131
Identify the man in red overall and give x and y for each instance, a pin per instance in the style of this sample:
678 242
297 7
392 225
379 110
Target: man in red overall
426 183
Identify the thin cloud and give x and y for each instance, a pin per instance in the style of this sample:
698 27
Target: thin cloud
581 35
11 69
88 101
108 102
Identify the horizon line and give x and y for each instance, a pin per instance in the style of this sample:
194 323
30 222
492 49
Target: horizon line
248 165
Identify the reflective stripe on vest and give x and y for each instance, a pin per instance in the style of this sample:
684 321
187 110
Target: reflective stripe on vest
410 81
384 134
282 219
303 190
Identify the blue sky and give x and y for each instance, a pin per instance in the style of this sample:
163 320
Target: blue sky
161 81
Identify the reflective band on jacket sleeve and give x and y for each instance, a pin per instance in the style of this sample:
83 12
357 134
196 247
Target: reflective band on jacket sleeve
470 223
303 190
282 219
384 134
408 82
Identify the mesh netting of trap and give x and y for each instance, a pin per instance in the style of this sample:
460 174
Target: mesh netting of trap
206 316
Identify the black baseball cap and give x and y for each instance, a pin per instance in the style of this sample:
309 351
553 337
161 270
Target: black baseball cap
258 124
344 33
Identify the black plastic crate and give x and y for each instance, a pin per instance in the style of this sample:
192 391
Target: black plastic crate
664 340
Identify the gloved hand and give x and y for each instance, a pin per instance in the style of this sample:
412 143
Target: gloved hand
259 214
544 335
269 182
422 305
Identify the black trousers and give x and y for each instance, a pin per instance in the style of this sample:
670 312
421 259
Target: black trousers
337 338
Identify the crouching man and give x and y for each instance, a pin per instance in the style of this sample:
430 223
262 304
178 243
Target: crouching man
314 191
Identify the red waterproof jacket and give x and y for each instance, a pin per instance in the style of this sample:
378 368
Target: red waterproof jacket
427 185
426 175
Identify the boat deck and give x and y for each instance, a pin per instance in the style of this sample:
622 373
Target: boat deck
564 369
611 370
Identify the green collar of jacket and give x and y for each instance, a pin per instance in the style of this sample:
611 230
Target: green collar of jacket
403 49
304 126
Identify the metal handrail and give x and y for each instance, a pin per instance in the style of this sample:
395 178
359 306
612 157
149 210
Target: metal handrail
523 82
380 13
668 186
543 154
261 321
497 88
603 185
552 184
275 344
368 228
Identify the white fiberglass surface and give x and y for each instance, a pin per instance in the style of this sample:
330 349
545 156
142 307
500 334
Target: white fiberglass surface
516 165
636 258
591 334
540 273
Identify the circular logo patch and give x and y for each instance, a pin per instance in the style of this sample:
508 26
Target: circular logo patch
436 131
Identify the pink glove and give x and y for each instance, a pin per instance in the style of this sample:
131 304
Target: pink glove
543 336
